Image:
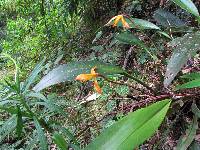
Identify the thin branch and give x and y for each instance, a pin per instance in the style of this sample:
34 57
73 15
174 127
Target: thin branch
120 83
141 82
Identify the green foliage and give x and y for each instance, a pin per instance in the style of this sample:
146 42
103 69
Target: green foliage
37 28
133 129
37 116
129 38
191 76
191 84
122 90
19 127
187 5
19 100
8 127
185 47
167 19
41 136
195 81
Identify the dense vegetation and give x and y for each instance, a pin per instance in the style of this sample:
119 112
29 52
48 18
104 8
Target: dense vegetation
99 74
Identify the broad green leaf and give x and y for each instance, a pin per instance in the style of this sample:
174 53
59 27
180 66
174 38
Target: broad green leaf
167 19
139 24
68 72
60 141
195 110
8 127
129 38
191 76
188 85
184 48
186 139
19 122
132 130
41 136
38 68
187 5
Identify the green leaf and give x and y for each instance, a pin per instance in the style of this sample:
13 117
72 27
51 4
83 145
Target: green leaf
186 140
167 19
38 68
8 127
139 24
132 130
129 38
60 141
19 122
164 34
187 5
98 35
191 76
11 109
41 136
184 48
188 85
68 72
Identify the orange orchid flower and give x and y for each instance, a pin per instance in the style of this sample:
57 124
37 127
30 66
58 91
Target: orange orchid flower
116 20
87 77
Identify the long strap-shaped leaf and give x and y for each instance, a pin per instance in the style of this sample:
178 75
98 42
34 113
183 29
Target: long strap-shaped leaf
188 5
41 136
184 48
68 72
133 129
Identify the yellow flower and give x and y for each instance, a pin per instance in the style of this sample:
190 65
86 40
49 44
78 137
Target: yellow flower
116 21
87 77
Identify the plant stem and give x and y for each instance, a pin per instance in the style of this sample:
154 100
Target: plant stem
141 82
120 83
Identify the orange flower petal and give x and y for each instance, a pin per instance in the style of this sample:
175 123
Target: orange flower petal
85 77
118 18
124 23
97 87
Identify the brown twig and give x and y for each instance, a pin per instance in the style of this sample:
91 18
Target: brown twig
152 99
127 57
